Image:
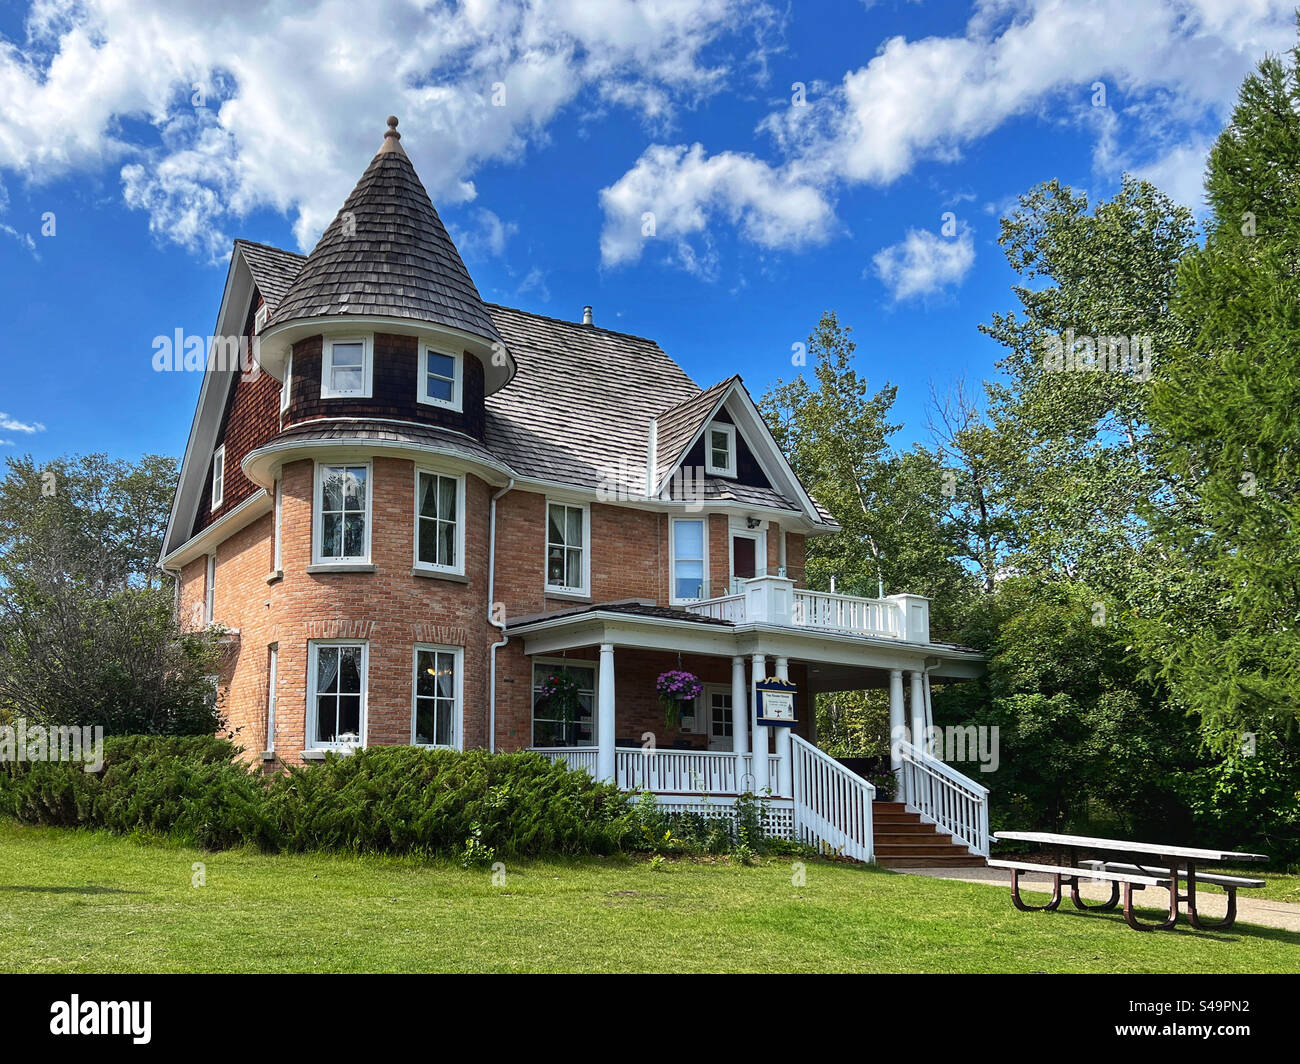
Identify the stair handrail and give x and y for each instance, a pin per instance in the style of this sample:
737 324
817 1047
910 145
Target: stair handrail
957 804
832 804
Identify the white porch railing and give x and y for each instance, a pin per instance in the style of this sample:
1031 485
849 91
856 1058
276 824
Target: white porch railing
694 772
831 804
727 608
940 793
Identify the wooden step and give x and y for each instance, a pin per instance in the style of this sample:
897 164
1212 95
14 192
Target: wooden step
952 860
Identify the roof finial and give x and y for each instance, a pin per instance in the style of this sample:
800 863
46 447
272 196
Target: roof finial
392 138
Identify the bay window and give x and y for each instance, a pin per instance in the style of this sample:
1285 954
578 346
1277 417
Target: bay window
346 368
336 703
439 522
342 513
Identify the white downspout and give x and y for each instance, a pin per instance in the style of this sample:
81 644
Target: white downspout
492 655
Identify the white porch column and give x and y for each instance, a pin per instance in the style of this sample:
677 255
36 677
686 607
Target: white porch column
897 722
605 767
917 707
785 766
739 717
762 780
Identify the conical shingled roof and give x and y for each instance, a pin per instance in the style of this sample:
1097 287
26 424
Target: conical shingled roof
387 254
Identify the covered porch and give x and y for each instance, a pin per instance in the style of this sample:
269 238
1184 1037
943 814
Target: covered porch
723 751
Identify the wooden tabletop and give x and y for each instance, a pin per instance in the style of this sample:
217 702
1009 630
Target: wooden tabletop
1083 842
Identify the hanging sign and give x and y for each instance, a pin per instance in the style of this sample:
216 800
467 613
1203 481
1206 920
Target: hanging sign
776 702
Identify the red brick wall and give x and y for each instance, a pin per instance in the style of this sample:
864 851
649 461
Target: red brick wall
395 609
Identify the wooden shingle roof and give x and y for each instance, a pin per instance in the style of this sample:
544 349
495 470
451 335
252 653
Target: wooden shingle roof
387 254
273 269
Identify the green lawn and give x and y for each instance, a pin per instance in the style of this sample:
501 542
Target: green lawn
89 902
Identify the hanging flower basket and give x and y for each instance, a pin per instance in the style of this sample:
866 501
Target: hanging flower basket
676 687
559 692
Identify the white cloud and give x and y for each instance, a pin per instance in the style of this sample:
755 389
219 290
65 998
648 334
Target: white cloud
10 424
1168 64
671 193
486 235
924 263
296 95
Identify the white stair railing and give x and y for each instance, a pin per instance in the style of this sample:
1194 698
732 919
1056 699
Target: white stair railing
831 804
941 794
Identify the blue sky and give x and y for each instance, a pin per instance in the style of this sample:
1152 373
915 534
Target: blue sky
766 213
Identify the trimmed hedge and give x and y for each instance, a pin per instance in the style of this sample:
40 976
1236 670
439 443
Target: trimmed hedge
474 805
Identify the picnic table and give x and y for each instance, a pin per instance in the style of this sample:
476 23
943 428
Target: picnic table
1146 865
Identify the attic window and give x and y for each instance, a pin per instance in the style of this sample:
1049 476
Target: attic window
720 450
346 368
440 378
218 477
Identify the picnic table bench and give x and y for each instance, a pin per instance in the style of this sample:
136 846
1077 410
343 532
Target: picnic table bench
1173 865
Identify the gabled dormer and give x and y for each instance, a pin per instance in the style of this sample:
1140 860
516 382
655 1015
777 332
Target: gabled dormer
716 446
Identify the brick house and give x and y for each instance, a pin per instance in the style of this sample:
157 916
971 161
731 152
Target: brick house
417 507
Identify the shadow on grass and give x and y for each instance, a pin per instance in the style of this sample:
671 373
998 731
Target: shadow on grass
19 889
1239 930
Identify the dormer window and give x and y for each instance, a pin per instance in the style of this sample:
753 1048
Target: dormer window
720 450
440 378
219 477
346 368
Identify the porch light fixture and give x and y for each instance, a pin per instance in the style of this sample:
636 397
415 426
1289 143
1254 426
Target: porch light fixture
752 522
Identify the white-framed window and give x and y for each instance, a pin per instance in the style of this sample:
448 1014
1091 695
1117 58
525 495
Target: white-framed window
336 698
210 591
272 673
286 386
556 726
436 696
218 477
277 548
347 368
441 380
688 539
720 449
568 547
343 502
439 521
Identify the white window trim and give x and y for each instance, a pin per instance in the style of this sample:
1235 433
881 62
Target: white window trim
672 559
559 589
218 482
272 674
367 367
210 590
730 431
459 568
286 386
457 384
458 720
573 663
277 549
317 507
313 647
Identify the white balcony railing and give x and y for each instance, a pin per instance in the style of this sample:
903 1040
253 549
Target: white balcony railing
775 600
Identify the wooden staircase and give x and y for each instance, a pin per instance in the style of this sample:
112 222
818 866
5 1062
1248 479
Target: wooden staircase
903 841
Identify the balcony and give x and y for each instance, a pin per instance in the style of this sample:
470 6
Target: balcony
775 600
